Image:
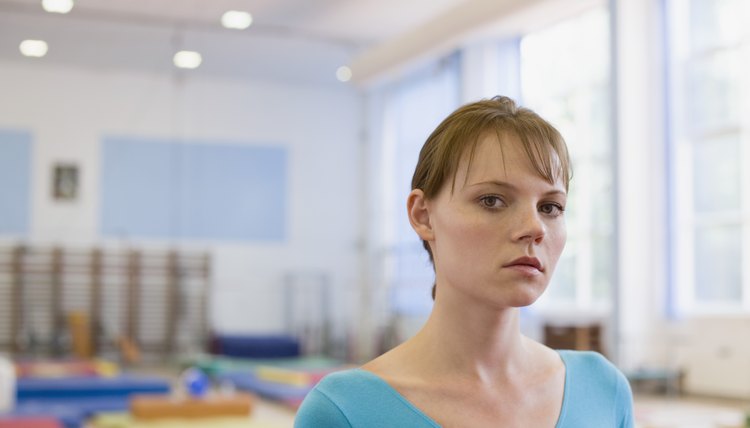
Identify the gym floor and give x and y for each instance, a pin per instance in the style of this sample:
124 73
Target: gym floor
654 411
651 412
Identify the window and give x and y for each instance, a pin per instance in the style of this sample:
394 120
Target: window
565 73
413 108
709 65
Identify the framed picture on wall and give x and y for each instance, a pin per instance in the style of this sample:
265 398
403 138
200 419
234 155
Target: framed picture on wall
65 182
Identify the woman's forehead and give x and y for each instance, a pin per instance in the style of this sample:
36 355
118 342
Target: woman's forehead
490 154
500 158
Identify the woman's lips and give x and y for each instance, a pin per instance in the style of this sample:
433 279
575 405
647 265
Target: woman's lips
526 265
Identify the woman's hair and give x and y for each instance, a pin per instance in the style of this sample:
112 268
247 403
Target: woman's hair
460 132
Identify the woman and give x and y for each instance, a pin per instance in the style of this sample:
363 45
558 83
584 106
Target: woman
488 201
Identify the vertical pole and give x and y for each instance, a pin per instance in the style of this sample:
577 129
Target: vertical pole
614 336
95 302
172 301
134 296
56 295
366 333
16 296
204 303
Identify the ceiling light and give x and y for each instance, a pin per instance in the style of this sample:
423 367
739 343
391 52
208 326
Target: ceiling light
236 20
57 6
187 59
344 73
33 48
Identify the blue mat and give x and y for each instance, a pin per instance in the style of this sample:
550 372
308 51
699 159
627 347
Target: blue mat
273 390
89 387
73 400
257 346
68 416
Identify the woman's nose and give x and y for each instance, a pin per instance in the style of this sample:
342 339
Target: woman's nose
530 226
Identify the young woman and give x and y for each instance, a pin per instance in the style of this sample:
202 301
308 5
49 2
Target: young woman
488 201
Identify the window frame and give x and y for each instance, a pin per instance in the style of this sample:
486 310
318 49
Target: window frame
682 59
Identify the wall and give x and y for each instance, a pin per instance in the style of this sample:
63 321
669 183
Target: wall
69 110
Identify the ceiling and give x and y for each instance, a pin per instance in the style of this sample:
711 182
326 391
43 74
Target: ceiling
293 40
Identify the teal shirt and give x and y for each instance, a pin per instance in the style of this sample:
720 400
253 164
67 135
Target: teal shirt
596 395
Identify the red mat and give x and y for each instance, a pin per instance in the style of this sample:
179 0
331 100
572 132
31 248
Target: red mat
29 423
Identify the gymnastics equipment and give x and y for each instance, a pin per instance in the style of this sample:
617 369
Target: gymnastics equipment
80 332
195 382
65 368
296 371
257 346
669 381
89 387
71 400
291 395
157 299
29 422
307 312
161 407
114 420
129 351
282 379
7 385
584 337
70 412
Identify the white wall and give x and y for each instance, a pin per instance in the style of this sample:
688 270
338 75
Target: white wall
68 110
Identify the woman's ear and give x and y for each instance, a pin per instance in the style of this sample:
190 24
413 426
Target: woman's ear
419 214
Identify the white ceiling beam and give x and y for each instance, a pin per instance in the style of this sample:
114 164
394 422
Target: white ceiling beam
469 20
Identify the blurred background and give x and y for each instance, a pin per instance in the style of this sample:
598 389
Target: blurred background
221 185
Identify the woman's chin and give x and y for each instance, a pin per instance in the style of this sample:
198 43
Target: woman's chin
525 296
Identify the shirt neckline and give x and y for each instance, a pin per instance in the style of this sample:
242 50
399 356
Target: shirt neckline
417 410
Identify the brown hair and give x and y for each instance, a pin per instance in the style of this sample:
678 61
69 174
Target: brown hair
460 132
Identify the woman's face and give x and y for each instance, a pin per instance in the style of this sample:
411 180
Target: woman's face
499 235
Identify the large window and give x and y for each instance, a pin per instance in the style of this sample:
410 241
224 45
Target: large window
413 108
710 85
565 77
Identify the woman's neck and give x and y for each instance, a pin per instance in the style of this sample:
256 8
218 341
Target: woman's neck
473 340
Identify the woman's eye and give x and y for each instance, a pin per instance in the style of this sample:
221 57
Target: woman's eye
552 209
491 202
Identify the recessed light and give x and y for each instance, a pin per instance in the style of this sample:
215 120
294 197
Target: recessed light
236 19
57 6
344 73
33 48
187 59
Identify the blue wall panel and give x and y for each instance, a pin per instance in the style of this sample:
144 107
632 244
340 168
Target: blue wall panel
137 188
235 192
160 189
15 182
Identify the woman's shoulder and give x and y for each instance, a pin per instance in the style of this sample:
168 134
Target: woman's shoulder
344 389
356 397
588 363
344 382
584 357
325 404
590 373
596 391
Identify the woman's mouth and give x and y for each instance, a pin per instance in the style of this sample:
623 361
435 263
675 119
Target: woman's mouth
526 265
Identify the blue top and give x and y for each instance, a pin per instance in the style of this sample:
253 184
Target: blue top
596 395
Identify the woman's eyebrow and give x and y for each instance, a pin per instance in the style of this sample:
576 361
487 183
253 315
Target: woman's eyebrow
513 188
495 183
556 192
